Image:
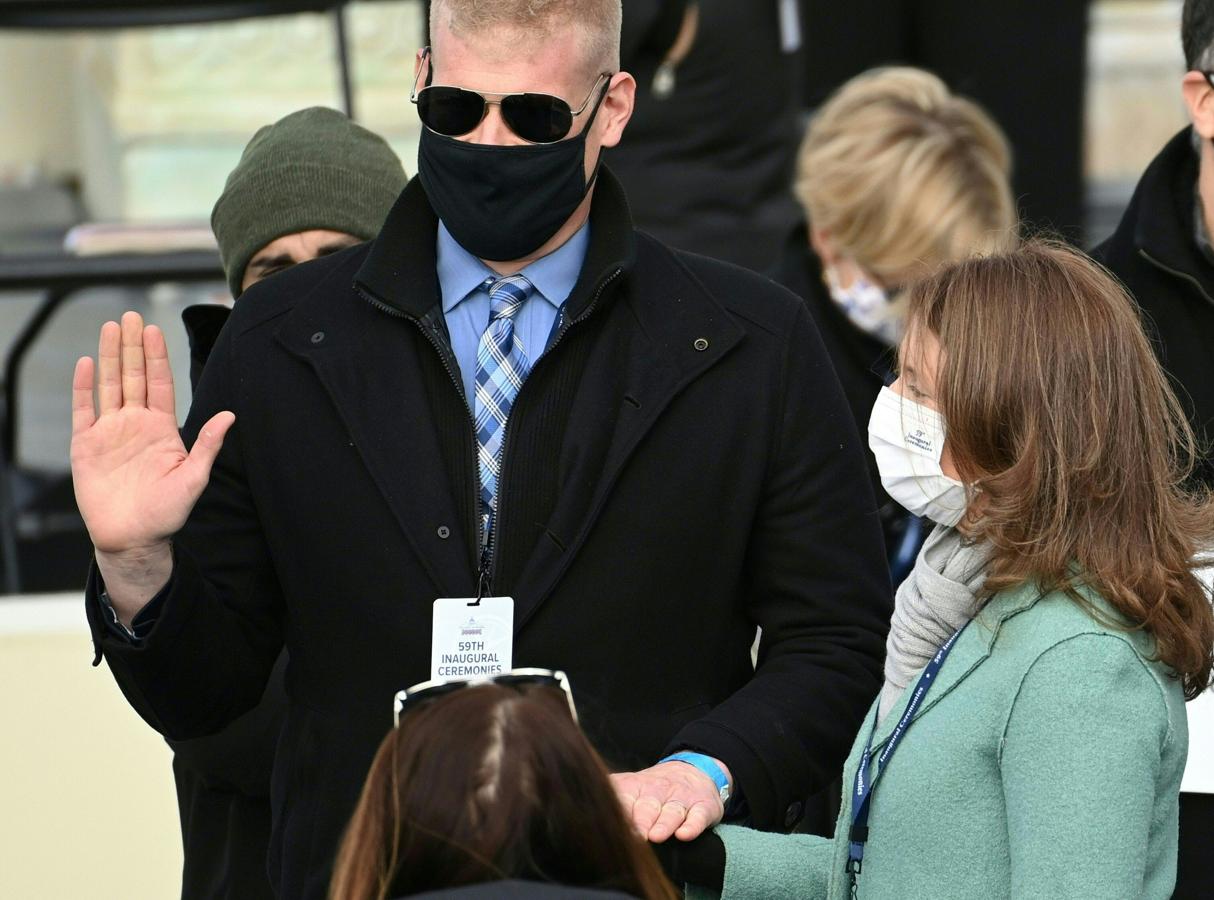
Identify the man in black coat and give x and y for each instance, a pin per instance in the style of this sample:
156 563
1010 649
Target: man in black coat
1162 252
679 467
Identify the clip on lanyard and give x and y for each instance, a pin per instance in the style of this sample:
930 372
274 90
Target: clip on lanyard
482 575
863 791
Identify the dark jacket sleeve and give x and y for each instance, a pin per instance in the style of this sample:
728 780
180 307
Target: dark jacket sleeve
240 758
219 628
820 591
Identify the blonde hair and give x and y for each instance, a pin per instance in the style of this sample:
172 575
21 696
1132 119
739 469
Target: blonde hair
906 176
598 21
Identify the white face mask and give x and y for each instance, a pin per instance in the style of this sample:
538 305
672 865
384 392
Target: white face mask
907 439
866 306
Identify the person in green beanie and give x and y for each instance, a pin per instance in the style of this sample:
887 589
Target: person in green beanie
312 184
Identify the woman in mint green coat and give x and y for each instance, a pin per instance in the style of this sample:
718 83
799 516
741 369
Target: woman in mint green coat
1030 736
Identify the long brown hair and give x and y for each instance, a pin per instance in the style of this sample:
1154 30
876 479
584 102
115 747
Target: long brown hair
1059 414
488 783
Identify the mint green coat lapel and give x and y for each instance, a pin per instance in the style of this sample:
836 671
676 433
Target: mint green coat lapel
971 650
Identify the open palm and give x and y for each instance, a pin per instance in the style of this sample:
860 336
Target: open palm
135 483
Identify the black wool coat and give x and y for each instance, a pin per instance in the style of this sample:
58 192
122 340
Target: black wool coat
680 467
1154 252
858 357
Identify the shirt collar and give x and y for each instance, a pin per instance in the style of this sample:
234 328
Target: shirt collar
553 276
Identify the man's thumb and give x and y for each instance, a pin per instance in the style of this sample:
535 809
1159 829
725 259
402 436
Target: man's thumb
206 448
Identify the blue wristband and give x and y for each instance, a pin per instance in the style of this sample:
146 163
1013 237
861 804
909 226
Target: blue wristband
705 764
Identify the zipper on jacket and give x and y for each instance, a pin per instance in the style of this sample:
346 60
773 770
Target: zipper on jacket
1182 275
484 534
501 471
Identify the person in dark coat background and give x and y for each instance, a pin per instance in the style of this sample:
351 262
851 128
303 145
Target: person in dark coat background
311 184
1025 62
711 145
679 468
1162 252
897 176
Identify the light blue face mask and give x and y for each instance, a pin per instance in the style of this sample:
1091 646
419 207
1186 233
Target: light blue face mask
867 306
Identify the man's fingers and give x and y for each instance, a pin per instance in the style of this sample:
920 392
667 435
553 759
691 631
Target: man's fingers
699 819
134 373
83 415
159 373
206 448
645 812
109 368
673 814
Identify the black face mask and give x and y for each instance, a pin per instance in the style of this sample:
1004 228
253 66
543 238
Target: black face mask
504 203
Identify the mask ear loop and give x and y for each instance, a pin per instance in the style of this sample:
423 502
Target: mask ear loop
598 163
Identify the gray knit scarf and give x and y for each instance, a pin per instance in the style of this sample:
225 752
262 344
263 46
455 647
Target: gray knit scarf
937 598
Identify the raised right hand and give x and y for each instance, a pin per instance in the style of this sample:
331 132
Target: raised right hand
135 483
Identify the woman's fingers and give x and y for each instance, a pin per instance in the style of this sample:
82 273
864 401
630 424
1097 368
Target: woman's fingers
134 372
83 415
159 373
109 368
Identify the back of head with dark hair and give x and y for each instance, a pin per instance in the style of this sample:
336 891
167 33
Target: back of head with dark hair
490 783
1197 33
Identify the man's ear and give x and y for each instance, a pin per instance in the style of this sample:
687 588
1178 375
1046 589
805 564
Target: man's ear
1199 98
617 108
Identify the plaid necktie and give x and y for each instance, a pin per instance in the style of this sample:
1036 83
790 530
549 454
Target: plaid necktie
501 367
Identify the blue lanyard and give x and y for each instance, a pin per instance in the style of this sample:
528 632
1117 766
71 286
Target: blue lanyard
862 793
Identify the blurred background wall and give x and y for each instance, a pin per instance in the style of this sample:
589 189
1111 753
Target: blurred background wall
149 121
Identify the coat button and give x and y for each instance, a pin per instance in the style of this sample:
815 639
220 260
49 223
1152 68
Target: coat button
701 344
444 532
793 815
318 337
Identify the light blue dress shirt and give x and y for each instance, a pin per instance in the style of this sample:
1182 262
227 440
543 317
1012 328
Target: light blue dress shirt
461 278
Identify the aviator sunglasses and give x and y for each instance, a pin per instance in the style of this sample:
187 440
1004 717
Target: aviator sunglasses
536 118
519 679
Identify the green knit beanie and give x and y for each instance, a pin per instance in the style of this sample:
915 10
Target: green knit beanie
313 169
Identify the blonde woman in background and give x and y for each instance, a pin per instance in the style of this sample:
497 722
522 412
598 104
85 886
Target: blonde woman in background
897 176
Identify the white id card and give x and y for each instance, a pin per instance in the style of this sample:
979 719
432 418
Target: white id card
471 641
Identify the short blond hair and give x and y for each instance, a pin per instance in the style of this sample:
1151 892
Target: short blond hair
599 22
905 176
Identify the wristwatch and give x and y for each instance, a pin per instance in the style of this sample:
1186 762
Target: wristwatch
708 766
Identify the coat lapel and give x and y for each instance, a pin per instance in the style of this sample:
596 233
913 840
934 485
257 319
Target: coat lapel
376 386
636 372
972 649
